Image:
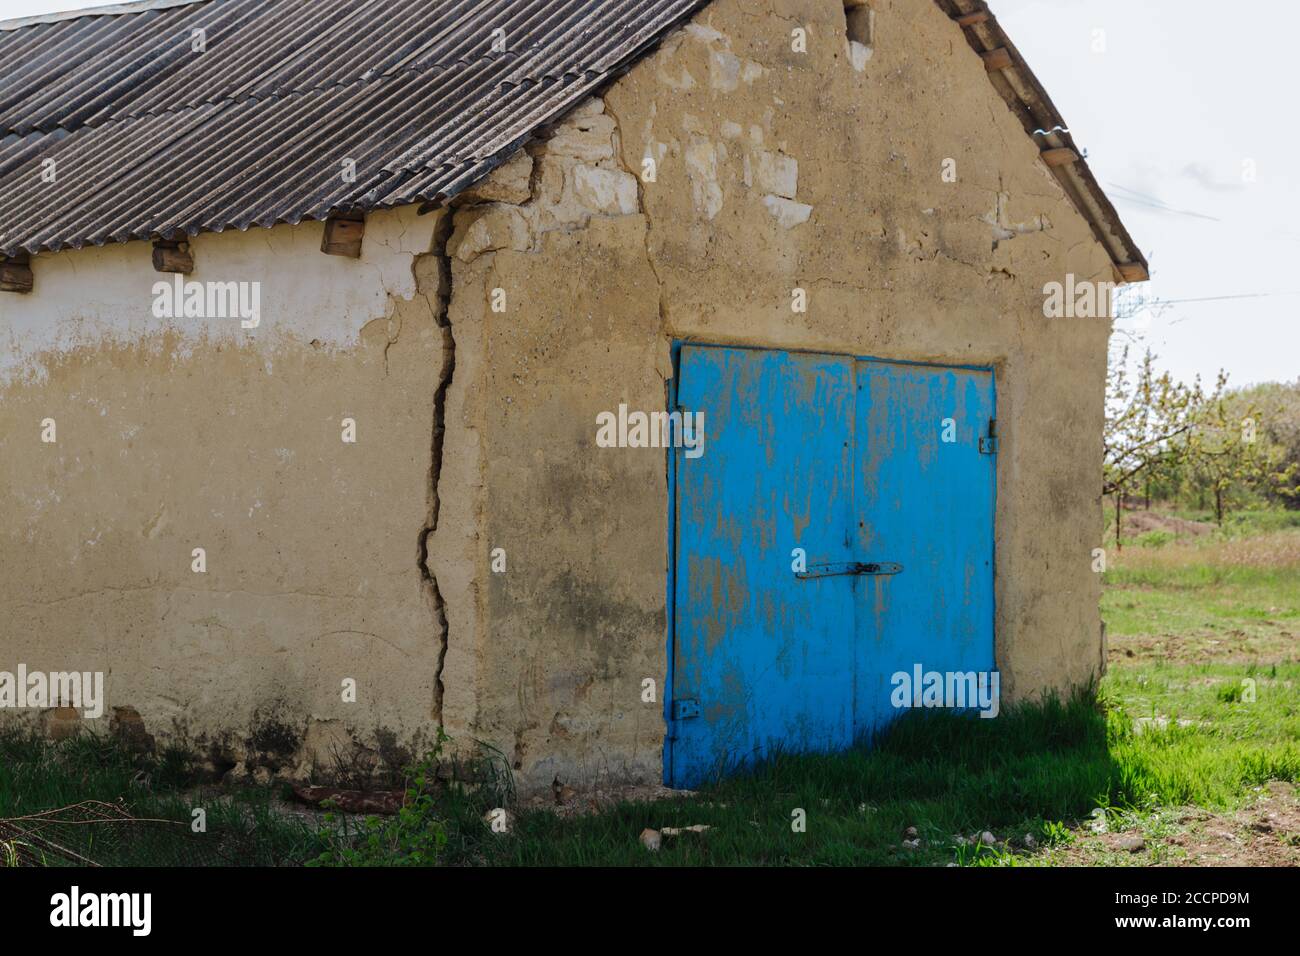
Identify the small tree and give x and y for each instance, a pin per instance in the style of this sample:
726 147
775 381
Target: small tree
1229 452
1147 414
1221 450
1274 411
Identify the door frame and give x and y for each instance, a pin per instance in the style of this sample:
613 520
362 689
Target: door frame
670 593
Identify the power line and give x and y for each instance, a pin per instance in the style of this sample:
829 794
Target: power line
1142 199
1220 298
1140 306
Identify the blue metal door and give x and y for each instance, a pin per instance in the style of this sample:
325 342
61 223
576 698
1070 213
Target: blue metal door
761 656
837 528
924 497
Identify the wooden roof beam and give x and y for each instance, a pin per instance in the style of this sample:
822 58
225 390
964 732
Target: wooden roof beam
16 273
1132 272
173 255
343 235
995 60
1059 157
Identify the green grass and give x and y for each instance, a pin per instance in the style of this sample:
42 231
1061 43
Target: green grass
1267 584
1207 598
1200 706
243 826
1204 602
1203 741
938 773
1025 772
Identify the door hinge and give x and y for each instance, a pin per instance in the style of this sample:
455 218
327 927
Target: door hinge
989 443
685 707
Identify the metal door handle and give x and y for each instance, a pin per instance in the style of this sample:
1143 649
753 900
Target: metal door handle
850 567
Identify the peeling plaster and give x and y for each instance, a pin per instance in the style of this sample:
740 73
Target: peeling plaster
319 298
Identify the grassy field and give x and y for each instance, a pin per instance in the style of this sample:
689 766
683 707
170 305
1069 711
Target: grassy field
1230 596
1188 754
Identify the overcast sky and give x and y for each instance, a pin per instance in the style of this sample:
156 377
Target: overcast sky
1187 111
1187 97
12 9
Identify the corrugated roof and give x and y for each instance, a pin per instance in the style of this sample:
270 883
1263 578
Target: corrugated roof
150 138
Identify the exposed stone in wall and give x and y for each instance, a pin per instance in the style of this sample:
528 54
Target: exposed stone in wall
575 173
702 167
787 212
605 191
510 183
778 174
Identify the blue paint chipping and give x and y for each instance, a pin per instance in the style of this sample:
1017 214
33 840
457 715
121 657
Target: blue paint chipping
843 458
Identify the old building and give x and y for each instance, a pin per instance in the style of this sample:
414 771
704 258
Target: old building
330 334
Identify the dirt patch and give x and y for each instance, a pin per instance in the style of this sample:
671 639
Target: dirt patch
1265 832
1270 643
1140 522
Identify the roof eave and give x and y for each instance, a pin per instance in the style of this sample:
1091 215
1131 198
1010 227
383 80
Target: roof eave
138 6
1024 94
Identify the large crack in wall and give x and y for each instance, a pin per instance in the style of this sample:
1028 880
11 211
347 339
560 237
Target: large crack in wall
512 412
439 303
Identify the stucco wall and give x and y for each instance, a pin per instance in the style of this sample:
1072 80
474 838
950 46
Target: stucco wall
176 434
570 276
775 170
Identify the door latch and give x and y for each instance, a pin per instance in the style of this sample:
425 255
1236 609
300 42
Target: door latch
850 567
